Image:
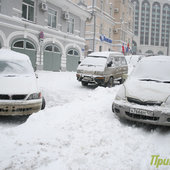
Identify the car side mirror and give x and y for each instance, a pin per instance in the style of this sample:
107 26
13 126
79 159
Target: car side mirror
109 64
79 62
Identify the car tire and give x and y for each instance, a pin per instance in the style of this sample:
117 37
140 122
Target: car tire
110 82
122 81
84 83
43 103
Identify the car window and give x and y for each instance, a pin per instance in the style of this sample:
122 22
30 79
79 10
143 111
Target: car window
15 68
116 61
123 61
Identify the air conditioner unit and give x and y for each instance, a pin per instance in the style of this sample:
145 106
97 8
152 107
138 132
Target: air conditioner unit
44 6
116 10
66 15
115 31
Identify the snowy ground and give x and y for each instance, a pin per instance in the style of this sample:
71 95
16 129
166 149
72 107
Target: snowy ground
78 130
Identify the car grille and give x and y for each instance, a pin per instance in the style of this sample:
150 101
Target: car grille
12 97
143 117
145 103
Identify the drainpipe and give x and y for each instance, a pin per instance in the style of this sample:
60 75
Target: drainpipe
94 33
168 49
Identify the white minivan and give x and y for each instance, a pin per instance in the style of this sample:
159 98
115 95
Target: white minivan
102 68
19 92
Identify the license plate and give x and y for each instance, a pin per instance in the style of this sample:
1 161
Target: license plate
141 112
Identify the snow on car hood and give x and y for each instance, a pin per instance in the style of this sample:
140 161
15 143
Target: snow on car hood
147 90
22 84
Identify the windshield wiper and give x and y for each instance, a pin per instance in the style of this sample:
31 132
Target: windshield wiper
10 75
166 82
155 80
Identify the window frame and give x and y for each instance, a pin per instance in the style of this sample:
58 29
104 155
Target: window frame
27 10
70 25
51 17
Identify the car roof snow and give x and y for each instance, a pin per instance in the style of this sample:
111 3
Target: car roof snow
105 54
7 54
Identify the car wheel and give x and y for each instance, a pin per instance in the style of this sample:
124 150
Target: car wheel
110 82
122 81
43 104
84 83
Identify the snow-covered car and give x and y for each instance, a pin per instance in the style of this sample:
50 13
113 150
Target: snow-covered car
145 96
19 92
133 59
102 68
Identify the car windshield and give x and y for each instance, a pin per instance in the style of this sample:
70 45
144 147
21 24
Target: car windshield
158 71
13 68
94 61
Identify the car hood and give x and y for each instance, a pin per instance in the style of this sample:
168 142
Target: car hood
18 85
147 91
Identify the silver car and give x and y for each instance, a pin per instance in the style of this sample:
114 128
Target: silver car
145 96
102 68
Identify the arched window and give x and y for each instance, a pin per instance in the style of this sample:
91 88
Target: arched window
149 52
24 44
49 48
160 53
136 16
73 52
52 48
145 20
19 44
165 25
155 32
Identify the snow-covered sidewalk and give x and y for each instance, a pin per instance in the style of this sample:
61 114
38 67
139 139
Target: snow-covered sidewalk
78 130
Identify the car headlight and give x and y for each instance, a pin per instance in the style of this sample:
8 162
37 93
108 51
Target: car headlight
34 96
121 95
167 101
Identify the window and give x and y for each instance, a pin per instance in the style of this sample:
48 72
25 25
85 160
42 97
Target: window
19 44
100 48
29 45
70 52
70 25
56 49
49 48
165 24
155 24
101 29
52 18
73 52
76 53
110 9
144 37
101 4
110 32
28 10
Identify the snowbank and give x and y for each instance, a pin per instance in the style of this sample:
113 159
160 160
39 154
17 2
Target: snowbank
78 130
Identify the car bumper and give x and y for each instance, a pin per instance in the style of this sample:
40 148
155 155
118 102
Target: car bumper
19 108
155 115
91 80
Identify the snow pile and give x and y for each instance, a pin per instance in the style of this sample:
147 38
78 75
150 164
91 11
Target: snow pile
78 130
